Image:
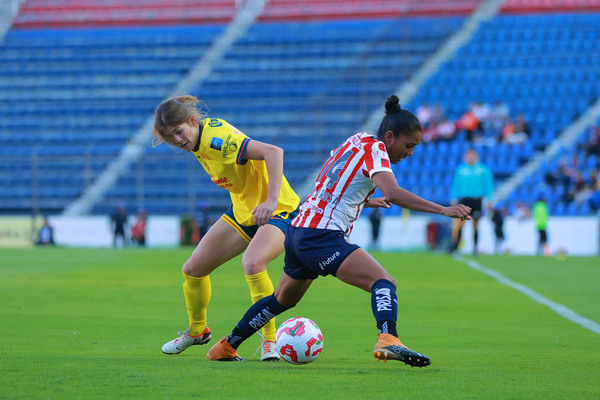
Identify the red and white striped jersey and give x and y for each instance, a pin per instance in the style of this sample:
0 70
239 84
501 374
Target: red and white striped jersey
344 184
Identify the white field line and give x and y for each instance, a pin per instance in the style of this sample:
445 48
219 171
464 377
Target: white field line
535 296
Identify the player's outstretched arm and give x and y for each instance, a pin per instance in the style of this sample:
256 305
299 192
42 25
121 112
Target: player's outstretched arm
386 182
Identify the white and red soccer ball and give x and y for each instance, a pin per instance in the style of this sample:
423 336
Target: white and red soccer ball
299 341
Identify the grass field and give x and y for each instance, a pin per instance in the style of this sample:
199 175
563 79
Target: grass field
89 324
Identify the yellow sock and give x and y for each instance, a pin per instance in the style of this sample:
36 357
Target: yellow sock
197 293
261 286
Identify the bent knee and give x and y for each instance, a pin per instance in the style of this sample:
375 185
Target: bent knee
286 301
390 278
188 268
253 265
195 270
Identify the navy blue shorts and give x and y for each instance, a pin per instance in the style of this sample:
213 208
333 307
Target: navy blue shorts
311 252
282 221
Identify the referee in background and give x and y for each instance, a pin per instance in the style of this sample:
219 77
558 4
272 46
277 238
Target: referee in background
473 182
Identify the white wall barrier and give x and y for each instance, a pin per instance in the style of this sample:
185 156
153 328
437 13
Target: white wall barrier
96 231
578 235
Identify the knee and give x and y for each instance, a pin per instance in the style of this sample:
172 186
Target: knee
189 268
386 277
284 300
391 279
253 265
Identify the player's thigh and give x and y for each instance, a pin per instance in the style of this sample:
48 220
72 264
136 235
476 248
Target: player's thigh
290 290
265 246
360 269
220 244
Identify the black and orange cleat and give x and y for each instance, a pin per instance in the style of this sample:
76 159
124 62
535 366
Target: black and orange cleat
389 347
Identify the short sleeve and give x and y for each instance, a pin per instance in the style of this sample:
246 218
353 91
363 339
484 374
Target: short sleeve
229 142
377 159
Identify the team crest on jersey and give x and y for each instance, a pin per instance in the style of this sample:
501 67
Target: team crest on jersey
214 123
216 143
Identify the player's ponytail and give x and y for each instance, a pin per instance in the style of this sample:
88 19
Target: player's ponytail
173 112
397 120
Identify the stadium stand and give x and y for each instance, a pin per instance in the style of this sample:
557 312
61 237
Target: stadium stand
77 96
568 182
304 78
303 87
527 62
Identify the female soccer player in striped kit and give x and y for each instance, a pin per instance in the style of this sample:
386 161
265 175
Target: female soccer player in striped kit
263 206
317 241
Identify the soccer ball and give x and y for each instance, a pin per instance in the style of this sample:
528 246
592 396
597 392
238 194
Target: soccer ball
299 341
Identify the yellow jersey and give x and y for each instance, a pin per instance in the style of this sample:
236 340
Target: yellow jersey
221 151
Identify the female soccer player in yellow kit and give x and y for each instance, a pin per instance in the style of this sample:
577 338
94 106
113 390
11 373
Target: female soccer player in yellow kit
263 206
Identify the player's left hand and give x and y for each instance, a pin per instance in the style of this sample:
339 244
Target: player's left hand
459 211
262 212
379 202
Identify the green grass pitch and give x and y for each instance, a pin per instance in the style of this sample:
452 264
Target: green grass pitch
87 324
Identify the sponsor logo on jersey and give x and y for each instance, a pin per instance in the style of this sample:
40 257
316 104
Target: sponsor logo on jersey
314 208
229 147
214 123
378 153
222 182
216 143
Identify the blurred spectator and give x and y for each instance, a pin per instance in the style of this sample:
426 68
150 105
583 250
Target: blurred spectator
522 129
483 113
581 190
499 116
445 129
430 133
437 114
540 215
594 200
46 235
592 147
521 211
119 224
517 132
563 176
138 232
375 218
424 114
470 124
498 214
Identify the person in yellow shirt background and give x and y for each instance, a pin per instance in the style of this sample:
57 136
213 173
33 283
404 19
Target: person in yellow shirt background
263 205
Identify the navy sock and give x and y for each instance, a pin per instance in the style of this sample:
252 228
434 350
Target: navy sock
385 306
255 318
